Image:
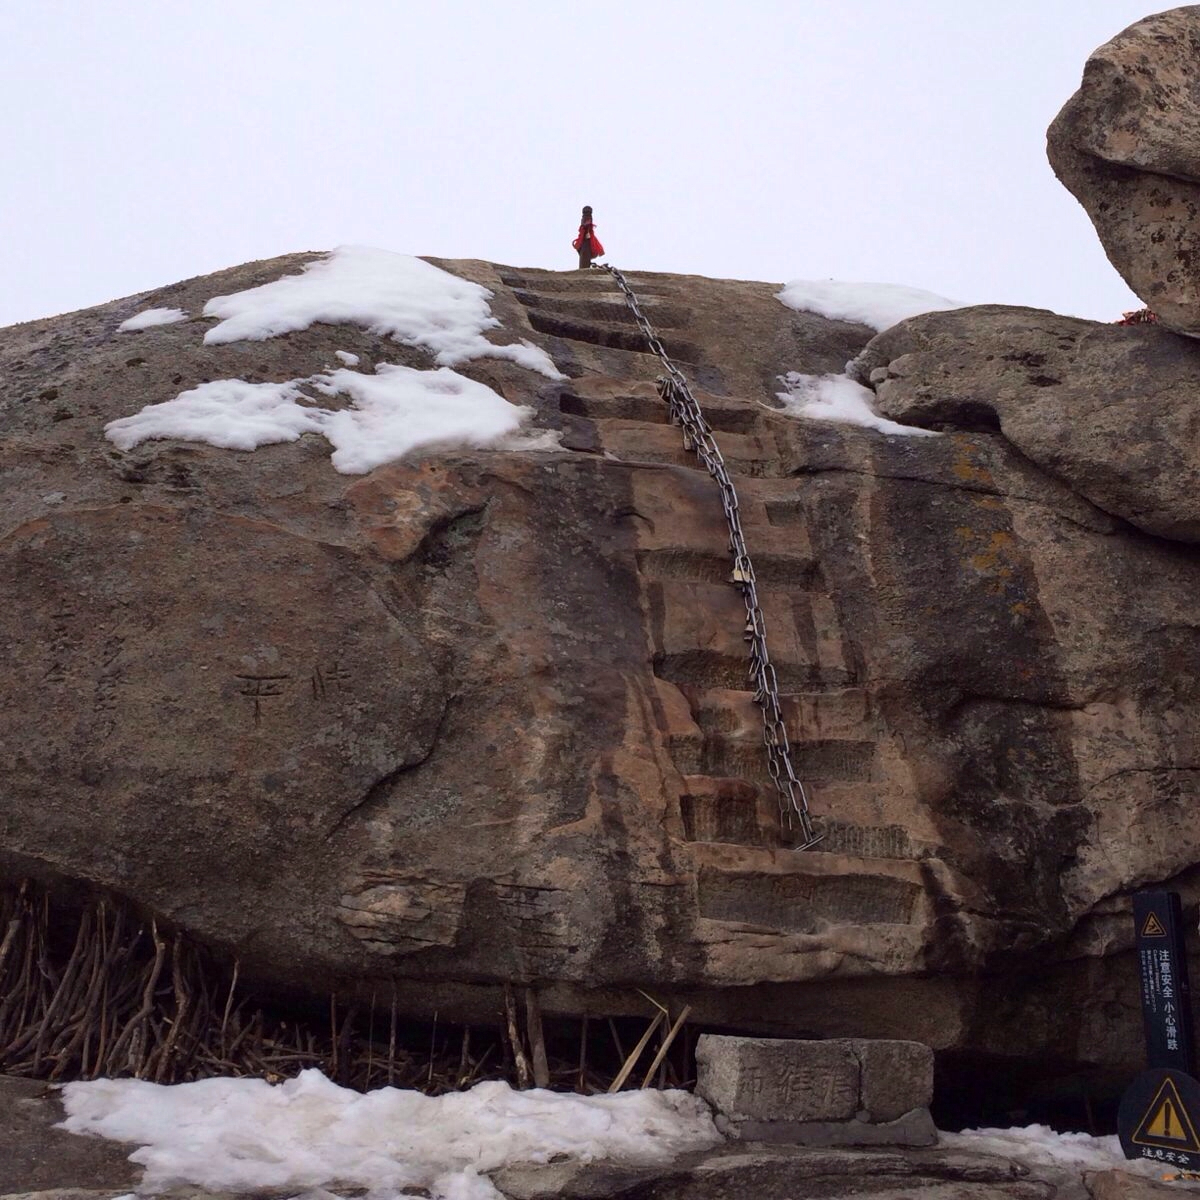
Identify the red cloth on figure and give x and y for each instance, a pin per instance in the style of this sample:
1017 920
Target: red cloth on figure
588 231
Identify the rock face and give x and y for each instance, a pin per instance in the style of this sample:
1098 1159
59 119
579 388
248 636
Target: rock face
1127 146
481 717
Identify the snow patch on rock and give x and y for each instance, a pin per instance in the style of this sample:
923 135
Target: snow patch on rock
230 413
837 398
394 412
880 305
394 295
1040 1145
150 317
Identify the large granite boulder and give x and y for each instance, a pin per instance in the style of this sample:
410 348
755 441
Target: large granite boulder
482 716
1127 146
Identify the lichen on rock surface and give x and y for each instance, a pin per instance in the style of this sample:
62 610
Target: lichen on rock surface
480 716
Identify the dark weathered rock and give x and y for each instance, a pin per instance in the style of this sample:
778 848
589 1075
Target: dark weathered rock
35 1156
797 1173
176 1193
77 1194
514 741
1120 1185
1127 145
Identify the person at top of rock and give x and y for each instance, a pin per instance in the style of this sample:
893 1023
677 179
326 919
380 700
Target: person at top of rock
587 243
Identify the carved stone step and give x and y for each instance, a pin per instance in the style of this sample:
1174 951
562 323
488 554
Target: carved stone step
779 502
723 810
698 622
732 713
716 809
613 333
689 614
867 841
706 669
609 307
635 441
779 572
653 410
586 282
808 901
835 760
662 500
849 815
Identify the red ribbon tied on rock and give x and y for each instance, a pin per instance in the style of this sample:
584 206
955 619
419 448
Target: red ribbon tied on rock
587 233
1140 316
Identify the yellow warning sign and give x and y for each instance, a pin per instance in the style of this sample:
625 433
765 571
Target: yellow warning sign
1153 927
1167 1124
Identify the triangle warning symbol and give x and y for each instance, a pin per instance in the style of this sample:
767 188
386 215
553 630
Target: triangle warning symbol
1167 1124
1153 927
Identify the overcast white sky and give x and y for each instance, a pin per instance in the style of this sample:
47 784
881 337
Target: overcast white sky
145 141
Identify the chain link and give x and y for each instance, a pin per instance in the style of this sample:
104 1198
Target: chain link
698 437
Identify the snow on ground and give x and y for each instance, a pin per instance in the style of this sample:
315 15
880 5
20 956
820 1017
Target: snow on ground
838 398
880 305
395 411
239 1134
345 357
390 294
1039 1145
150 317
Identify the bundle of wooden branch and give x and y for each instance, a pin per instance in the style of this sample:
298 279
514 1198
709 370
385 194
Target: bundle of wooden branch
92 990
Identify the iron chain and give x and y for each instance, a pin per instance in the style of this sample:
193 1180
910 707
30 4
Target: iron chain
698 437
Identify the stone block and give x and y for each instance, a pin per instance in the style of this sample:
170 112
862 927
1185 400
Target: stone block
914 1128
773 1079
896 1077
839 1092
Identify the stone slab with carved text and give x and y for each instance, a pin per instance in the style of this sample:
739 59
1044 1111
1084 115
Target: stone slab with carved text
843 1091
778 1079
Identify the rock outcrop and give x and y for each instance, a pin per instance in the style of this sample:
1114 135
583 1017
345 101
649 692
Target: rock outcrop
482 716
1112 412
1127 146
